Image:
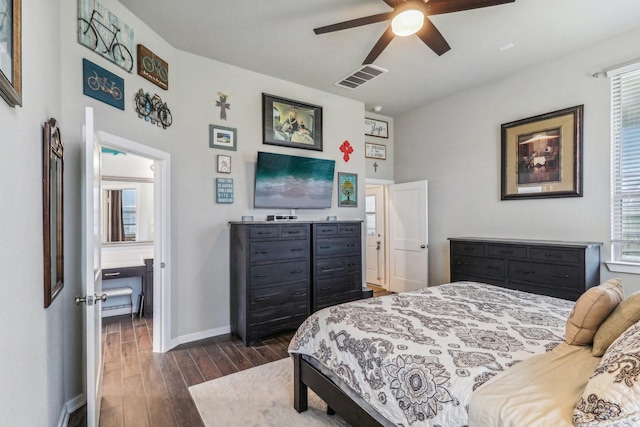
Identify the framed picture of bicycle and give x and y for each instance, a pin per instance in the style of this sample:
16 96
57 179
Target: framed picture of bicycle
152 67
104 33
11 51
102 85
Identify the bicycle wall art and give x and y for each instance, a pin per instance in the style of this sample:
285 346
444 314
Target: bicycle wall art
152 109
104 33
152 67
102 85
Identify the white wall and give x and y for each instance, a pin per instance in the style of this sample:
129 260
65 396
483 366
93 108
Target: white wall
456 146
33 339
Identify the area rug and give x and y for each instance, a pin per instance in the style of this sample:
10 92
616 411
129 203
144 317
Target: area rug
260 396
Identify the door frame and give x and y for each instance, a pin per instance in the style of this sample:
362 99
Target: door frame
385 183
162 233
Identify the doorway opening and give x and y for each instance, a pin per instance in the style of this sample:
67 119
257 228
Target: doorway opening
376 231
136 224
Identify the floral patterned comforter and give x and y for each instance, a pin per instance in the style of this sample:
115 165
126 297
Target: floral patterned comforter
416 357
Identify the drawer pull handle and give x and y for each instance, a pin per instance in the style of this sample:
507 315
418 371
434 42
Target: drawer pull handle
468 248
526 271
492 267
261 275
350 245
550 255
297 271
112 274
332 269
325 289
262 299
504 251
262 252
325 247
296 250
293 232
299 293
562 276
326 231
466 264
265 232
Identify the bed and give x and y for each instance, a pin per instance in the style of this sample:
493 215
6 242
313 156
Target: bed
416 358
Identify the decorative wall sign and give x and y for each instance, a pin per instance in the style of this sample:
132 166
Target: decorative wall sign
102 85
224 163
153 110
375 151
347 190
291 123
373 127
224 106
542 155
222 137
224 190
153 68
104 33
11 51
346 149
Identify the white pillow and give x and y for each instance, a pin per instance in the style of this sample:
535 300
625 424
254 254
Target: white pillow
612 395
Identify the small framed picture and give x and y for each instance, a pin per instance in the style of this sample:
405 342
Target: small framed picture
378 128
222 137
224 163
347 190
375 151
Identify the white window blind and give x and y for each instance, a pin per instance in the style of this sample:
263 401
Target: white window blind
625 166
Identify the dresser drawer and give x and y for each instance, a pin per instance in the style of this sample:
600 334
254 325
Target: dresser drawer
264 232
336 285
462 277
267 274
325 230
276 251
465 248
349 229
565 276
337 246
339 299
267 320
287 231
274 296
480 266
554 291
555 255
337 266
507 251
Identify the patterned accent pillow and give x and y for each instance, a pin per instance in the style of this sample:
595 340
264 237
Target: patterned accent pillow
612 395
625 314
590 311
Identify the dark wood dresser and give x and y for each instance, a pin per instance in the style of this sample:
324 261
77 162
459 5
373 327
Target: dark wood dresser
283 271
559 269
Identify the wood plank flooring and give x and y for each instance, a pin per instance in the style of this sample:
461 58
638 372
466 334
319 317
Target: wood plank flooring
142 388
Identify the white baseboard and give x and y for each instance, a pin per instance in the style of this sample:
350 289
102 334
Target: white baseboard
184 339
69 408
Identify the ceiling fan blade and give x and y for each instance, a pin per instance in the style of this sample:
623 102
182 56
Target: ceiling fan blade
430 35
383 42
380 17
438 7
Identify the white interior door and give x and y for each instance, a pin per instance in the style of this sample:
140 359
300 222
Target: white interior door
375 236
92 274
408 236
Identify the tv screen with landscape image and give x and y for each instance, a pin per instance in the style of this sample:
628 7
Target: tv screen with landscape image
293 182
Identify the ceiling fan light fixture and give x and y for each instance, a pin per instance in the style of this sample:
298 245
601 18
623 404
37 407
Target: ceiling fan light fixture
407 22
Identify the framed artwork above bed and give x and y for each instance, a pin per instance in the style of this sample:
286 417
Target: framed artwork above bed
542 156
291 123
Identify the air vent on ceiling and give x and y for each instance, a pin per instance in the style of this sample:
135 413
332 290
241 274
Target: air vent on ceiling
361 76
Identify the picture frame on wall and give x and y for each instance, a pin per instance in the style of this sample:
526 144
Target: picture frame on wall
542 156
375 151
290 123
11 52
102 85
224 163
377 128
347 190
223 137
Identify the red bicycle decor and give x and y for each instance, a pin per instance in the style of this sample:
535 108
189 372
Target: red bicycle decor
347 149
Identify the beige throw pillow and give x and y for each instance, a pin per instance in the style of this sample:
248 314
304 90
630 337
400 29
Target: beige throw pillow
624 315
591 309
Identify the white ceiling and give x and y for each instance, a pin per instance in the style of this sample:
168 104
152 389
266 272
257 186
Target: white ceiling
276 38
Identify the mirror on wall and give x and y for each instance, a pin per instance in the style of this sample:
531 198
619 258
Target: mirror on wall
127 198
53 220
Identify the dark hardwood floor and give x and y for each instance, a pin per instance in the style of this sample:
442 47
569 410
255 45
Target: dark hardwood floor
142 388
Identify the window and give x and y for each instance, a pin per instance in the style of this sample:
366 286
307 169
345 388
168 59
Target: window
625 164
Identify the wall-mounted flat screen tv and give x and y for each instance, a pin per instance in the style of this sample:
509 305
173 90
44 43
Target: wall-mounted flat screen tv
293 182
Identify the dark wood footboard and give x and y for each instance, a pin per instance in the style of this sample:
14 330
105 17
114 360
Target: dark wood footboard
305 375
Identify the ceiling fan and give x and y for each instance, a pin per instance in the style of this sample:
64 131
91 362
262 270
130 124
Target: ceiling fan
411 17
